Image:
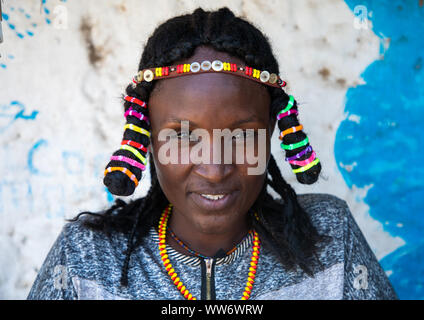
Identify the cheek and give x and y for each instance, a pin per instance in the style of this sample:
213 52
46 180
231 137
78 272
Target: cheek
252 187
172 177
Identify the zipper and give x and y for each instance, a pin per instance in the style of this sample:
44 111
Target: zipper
209 263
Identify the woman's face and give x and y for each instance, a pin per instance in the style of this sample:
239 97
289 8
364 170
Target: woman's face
210 101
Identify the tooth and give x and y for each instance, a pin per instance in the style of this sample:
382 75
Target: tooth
213 196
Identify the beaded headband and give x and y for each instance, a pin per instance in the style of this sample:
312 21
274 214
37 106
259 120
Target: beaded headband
157 73
124 171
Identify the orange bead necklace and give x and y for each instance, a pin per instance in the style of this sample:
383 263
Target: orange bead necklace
174 277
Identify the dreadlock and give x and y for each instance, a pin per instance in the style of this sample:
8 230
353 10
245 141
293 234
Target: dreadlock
283 225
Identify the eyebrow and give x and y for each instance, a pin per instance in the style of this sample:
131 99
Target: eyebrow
252 118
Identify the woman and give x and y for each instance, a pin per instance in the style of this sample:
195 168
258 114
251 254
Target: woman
209 229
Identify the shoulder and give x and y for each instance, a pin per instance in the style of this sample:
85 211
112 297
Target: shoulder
79 235
321 199
88 250
83 263
329 213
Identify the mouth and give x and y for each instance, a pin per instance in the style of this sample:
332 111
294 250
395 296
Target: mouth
216 201
213 196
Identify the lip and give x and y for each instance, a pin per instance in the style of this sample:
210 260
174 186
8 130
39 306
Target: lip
213 205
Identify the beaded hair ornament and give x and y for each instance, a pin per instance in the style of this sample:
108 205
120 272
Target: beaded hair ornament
126 166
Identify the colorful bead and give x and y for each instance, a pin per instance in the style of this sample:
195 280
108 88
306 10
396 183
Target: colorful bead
173 275
124 170
136 101
129 161
256 73
248 71
264 76
195 67
135 145
135 152
285 114
307 167
217 65
304 162
290 130
288 107
300 154
148 75
132 112
295 145
273 78
137 129
139 76
206 65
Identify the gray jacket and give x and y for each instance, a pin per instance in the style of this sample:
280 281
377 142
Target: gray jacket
85 264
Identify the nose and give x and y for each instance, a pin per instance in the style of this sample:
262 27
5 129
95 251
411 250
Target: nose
218 164
214 173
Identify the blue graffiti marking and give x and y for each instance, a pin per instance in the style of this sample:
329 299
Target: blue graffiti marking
25 29
12 112
109 196
30 159
21 11
385 144
12 26
46 11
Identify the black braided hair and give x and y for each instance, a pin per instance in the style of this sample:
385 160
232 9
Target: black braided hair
283 225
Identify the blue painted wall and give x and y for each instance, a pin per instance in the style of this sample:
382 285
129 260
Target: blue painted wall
387 142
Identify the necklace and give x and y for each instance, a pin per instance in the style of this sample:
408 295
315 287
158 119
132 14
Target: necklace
173 275
197 254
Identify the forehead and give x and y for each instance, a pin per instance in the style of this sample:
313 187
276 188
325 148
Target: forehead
208 98
218 96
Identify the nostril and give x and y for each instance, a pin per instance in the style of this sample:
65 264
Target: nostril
214 172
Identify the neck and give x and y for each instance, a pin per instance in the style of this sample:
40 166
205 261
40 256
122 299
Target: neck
207 243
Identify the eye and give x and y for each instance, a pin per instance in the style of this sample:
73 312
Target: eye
184 135
244 135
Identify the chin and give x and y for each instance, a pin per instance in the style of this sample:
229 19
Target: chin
214 223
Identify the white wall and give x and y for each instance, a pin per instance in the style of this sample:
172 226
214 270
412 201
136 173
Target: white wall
61 117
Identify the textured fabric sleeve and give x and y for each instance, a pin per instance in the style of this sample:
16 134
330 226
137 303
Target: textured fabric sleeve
53 281
364 277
